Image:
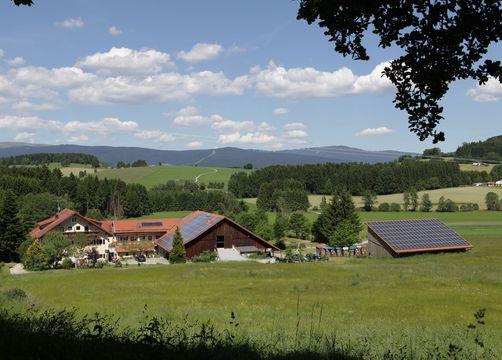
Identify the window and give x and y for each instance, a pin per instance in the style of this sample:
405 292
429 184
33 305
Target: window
86 228
74 219
61 228
69 228
77 227
150 237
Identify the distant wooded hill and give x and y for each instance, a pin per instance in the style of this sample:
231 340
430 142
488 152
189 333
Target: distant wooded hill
490 149
223 157
65 159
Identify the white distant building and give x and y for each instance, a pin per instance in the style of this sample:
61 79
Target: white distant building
498 183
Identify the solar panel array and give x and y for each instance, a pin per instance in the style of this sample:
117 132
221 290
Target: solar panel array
423 235
191 229
146 224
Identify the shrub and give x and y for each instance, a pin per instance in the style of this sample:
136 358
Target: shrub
100 264
205 257
68 264
395 207
15 294
118 264
384 207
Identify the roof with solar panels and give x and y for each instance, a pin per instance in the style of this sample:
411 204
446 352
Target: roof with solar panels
401 237
192 226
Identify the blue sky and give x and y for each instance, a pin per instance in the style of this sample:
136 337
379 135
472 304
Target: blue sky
200 74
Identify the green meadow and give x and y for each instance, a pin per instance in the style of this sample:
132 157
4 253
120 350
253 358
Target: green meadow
424 295
156 175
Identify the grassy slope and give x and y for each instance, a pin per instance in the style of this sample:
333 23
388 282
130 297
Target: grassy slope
155 175
469 167
458 194
431 291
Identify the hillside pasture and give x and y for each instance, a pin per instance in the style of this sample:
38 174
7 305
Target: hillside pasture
470 167
156 175
67 170
425 296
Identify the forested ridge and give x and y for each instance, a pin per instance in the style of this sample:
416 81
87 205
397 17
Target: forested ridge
489 149
44 158
384 178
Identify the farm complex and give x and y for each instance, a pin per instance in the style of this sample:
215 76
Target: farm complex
112 239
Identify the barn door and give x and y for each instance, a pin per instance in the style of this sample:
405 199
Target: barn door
220 241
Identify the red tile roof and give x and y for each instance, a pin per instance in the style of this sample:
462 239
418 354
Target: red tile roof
137 226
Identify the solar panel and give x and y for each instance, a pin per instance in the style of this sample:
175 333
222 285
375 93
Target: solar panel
191 229
417 235
146 224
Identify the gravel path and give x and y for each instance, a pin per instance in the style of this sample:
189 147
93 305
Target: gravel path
18 269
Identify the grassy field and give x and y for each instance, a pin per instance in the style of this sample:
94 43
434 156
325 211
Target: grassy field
352 295
72 168
469 167
156 175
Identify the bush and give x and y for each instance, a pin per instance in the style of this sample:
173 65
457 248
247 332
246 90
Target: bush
395 207
15 294
384 207
68 264
100 264
205 257
118 264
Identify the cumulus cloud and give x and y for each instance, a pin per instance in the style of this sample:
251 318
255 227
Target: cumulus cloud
229 125
77 138
200 52
278 81
280 111
195 144
25 137
21 122
125 60
295 126
158 88
52 78
115 31
490 91
24 105
295 134
154 135
17 61
189 116
247 138
71 23
375 131
104 127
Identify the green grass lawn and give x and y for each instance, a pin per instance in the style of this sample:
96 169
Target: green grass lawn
356 295
156 175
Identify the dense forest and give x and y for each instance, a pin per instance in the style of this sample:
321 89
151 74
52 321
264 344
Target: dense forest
490 149
385 178
64 159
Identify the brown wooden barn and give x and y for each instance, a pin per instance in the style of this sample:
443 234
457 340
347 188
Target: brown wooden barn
206 231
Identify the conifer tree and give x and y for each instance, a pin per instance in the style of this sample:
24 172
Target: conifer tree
35 260
339 216
178 253
11 231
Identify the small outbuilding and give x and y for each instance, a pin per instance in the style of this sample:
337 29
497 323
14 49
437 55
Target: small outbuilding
407 237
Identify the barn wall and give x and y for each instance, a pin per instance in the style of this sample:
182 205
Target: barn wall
376 247
233 237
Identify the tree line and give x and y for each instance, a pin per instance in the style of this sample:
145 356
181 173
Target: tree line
65 159
490 149
383 178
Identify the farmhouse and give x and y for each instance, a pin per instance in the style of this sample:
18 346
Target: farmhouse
117 238
407 237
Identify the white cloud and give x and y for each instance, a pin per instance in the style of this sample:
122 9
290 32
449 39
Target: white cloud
490 91
232 125
158 88
266 127
71 23
248 138
295 134
189 116
27 105
125 60
21 122
201 51
195 144
154 135
295 126
375 131
103 127
54 78
278 81
280 111
2 52
25 137
115 31
77 138
17 61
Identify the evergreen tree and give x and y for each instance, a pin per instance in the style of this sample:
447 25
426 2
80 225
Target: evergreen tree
299 225
281 225
34 259
323 203
413 199
340 210
369 199
178 253
11 229
426 203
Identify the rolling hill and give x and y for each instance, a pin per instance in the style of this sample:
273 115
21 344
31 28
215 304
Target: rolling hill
221 157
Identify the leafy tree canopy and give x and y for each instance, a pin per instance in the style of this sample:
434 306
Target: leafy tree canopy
442 41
